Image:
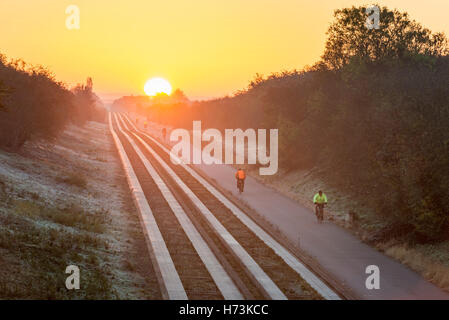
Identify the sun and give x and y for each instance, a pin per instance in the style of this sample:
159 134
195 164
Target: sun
155 86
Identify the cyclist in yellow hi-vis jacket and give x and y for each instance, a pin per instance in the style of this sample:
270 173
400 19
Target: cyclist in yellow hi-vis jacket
320 200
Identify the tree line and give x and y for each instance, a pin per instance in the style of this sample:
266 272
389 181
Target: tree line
35 106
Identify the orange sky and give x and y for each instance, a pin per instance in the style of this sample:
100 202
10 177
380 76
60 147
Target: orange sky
205 47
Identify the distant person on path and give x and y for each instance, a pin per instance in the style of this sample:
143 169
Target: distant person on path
164 133
320 200
240 176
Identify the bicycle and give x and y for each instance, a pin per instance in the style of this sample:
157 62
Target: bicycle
240 185
319 211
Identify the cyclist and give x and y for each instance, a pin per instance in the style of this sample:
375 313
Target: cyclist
240 176
320 200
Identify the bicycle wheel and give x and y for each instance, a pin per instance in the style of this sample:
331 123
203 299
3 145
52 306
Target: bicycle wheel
319 213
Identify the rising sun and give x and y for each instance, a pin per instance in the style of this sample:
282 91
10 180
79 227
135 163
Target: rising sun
155 86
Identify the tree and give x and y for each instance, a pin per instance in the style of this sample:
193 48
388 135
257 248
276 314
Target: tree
398 37
179 96
85 101
37 106
89 83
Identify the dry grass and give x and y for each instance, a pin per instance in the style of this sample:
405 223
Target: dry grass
41 250
70 215
421 260
74 180
52 216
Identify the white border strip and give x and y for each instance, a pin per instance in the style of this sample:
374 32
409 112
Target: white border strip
257 272
216 270
324 290
171 283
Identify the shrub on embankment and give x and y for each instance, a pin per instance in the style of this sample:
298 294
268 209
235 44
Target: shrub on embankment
35 106
372 115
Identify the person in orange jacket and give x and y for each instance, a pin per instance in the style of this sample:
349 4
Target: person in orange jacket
240 176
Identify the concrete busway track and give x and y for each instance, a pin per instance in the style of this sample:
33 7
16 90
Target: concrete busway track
187 256
168 278
274 269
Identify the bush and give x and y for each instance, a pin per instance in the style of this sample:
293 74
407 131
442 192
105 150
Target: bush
74 180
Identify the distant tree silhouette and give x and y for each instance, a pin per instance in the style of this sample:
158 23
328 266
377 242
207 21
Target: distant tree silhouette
35 106
89 83
179 96
398 37
86 104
